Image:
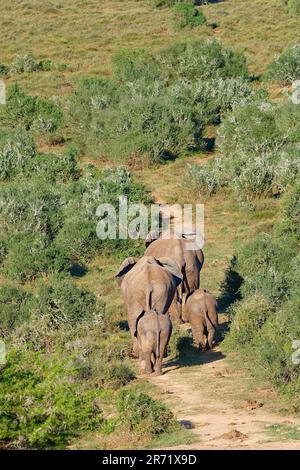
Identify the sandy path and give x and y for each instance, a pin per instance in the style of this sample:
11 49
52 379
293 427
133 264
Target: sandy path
219 424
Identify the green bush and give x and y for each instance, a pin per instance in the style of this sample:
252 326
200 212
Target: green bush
197 59
290 225
132 65
117 375
248 317
286 66
24 63
16 154
185 15
264 264
4 69
39 115
140 413
62 302
30 206
28 256
41 406
251 130
209 178
13 308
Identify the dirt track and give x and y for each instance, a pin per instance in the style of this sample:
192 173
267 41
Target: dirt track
190 391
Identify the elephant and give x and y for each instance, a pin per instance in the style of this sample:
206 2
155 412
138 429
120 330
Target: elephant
200 311
153 334
136 276
190 259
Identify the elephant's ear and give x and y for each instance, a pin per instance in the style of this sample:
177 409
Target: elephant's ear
172 267
125 267
151 237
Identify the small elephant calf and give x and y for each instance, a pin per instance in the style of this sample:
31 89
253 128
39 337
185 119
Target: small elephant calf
200 311
153 333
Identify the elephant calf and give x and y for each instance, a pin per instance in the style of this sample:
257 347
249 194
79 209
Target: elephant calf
201 312
153 334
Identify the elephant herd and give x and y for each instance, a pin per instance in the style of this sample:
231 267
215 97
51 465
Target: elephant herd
161 288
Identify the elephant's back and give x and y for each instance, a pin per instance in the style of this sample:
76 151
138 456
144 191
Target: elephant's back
170 248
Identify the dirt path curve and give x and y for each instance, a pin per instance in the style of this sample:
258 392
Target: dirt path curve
206 397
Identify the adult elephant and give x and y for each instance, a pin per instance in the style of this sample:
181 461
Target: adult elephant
189 257
162 275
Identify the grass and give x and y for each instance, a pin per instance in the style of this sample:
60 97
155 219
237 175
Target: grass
83 35
283 432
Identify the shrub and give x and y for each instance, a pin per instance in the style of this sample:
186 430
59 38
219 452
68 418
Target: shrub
3 69
248 317
48 117
30 206
41 115
185 15
252 131
117 375
13 308
41 406
60 167
28 256
290 225
201 60
273 348
25 63
264 263
286 66
143 414
16 154
62 302
156 127
209 178
255 180
132 65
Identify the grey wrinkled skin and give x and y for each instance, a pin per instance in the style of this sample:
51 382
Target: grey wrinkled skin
200 311
153 334
189 261
135 277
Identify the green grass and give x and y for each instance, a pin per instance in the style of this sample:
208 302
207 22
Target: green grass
83 35
283 432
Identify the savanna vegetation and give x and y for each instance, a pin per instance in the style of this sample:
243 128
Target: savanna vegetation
91 113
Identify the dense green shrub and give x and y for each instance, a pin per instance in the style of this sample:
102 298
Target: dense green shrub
41 406
141 413
132 65
286 66
185 15
31 206
16 154
37 114
13 308
28 256
201 60
62 302
251 130
266 321
155 106
260 146
248 317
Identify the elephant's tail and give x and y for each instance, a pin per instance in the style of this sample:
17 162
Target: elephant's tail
157 337
208 321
